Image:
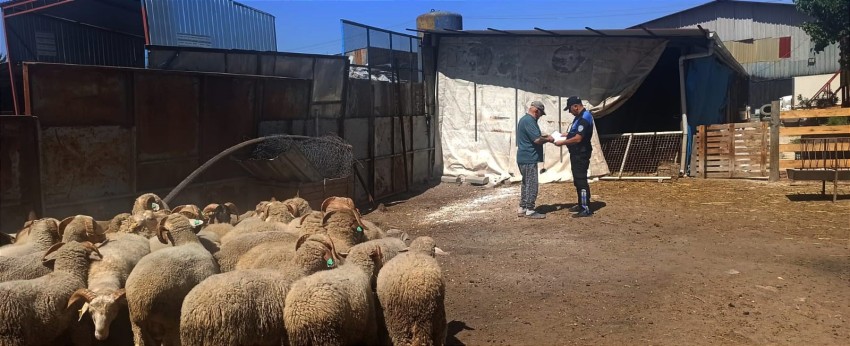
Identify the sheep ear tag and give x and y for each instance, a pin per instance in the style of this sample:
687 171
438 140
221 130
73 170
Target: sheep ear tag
330 262
196 223
83 311
155 206
359 229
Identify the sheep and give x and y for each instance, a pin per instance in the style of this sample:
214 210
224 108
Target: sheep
42 234
246 307
215 231
336 307
26 267
232 250
157 285
81 228
36 312
341 225
21 236
118 223
279 212
148 201
298 205
371 230
221 213
105 294
411 293
253 225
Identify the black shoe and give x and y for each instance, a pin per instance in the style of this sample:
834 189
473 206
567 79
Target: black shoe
576 208
584 213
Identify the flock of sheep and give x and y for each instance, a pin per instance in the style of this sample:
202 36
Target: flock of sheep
281 274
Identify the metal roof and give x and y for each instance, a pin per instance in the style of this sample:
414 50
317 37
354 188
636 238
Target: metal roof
709 4
648 33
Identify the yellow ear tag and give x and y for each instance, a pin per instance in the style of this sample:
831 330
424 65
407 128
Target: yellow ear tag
83 311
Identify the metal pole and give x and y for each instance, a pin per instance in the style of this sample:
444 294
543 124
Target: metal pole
625 155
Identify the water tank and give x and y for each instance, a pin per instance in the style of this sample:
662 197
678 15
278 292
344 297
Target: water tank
439 20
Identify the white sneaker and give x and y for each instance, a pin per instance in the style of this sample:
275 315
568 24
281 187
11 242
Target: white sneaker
520 212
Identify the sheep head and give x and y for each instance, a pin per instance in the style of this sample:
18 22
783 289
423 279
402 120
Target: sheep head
81 228
149 201
102 308
190 210
309 248
44 229
278 212
352 220
220 213
176 225
337 203
426 245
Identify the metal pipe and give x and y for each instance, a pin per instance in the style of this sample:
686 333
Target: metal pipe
34 9
229 151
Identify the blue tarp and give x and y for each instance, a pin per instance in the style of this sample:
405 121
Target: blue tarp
706 89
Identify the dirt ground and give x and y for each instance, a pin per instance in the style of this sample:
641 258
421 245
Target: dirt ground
687 262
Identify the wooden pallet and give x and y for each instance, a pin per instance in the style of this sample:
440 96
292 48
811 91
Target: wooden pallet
733 150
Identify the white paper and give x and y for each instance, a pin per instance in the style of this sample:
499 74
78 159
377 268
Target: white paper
558 136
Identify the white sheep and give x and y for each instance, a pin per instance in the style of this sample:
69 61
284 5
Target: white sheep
411 292
26 267
232 250
253 225
246 307
157 285
336 307
36 312
105 294
43 234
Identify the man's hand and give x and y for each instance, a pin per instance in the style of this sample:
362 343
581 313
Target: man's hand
544 139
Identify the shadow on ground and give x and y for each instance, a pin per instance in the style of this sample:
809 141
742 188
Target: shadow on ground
548 208
454 328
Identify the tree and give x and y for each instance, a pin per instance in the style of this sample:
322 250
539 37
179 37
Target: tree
830 24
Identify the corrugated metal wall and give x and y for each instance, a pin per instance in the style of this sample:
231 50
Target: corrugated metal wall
762 23
222 24
44 39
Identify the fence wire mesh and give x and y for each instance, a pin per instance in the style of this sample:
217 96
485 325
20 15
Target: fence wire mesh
643 154
331 155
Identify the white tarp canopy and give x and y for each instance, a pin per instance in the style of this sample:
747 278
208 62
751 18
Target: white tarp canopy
484 84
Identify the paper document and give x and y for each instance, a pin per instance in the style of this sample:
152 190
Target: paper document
557 136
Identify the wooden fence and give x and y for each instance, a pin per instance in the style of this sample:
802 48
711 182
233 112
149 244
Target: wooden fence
732 150
790 137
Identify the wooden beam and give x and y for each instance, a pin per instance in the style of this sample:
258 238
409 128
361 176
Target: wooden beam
816 113
785 164
784 148
774 141
815 130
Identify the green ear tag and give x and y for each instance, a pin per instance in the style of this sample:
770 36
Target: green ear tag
196 223
330 262
359 229
155 206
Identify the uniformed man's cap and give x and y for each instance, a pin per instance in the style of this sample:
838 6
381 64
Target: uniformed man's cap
539 105
573 100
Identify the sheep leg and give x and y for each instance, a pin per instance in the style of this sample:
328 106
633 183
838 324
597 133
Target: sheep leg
141 337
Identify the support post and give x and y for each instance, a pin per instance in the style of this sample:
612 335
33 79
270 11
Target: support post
774 141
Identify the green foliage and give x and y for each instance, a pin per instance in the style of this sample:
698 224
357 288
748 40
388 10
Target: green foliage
830 21
838 121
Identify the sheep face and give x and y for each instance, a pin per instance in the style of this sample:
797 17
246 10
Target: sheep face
345 225
103 310
189 210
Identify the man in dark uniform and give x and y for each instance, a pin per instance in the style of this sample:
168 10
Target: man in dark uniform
578 143
529 154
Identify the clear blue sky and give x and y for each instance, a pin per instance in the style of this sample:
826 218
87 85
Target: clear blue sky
314 26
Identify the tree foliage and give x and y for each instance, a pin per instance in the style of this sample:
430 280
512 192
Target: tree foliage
831 21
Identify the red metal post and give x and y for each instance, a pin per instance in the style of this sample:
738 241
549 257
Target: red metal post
145 23
39 8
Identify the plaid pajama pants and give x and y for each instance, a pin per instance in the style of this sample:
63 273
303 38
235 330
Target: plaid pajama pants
529 185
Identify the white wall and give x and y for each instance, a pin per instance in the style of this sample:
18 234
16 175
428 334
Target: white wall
809 85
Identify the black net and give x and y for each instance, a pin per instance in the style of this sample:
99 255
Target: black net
331 155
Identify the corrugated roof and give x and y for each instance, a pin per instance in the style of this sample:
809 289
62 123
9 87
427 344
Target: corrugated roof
664 33
709 4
